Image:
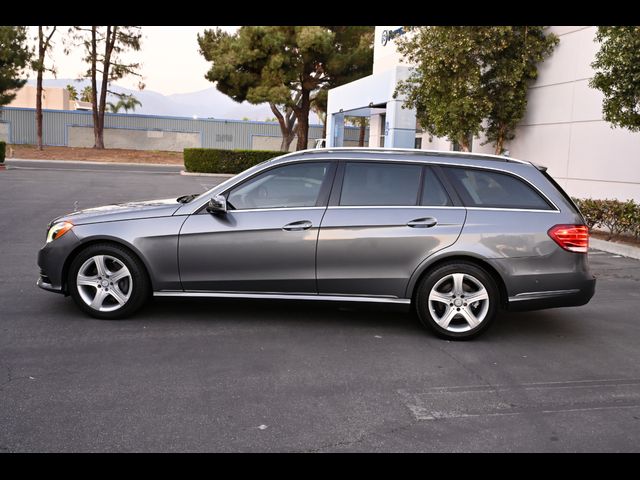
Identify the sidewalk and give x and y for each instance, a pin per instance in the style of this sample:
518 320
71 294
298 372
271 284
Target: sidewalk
616 248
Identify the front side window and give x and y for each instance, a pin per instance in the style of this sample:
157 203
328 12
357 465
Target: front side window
380 184
484 188
281 187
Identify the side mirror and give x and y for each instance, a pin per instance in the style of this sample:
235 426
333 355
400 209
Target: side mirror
217 204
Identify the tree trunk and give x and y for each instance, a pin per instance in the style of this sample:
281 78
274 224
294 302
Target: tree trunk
302 114
39 86
108 48
464 144
500 141
287 127
97 131
363 127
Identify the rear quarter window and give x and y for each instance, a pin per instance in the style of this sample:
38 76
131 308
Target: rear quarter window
485 188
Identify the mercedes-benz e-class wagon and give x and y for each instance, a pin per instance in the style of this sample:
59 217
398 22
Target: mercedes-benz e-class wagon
455 235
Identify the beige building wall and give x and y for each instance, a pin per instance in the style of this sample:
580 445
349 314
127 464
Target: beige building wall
135 139
53 98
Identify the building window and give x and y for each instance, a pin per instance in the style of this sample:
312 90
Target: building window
418 143
383 123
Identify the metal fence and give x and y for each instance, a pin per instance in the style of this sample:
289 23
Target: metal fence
20 125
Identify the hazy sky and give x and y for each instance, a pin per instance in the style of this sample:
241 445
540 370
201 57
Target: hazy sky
169 57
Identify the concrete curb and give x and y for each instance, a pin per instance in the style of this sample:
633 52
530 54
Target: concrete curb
197 174
615 248
88 162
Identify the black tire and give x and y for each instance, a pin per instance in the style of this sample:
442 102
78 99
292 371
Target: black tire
459 328
138 284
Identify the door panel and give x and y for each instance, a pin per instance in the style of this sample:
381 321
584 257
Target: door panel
251 251
373 250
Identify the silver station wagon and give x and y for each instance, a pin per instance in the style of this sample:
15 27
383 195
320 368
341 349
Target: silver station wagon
455 235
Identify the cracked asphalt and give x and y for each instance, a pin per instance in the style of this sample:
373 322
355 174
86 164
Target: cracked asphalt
245 376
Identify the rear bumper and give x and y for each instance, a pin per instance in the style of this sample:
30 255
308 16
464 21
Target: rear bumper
574 297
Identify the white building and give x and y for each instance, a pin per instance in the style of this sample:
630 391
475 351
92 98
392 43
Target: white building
563 128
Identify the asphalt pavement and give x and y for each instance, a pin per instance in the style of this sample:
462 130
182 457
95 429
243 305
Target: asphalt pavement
267 376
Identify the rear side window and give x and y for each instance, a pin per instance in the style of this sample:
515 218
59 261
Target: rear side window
380 184
483 188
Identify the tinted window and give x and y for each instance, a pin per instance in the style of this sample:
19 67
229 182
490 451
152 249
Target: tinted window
380 184
288 186
433 193
483 188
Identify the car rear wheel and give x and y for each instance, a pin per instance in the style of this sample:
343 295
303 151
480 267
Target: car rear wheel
457 300
107 282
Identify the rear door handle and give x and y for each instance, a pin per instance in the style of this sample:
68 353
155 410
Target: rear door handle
426 222
297 226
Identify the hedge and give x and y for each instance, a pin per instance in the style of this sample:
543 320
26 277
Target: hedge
3 148
212 160
616 216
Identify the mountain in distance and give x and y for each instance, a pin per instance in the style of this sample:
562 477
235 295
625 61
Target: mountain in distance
208 103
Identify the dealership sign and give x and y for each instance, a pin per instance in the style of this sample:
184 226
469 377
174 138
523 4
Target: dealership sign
388 35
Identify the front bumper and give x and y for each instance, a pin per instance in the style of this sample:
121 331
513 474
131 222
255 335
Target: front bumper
52 261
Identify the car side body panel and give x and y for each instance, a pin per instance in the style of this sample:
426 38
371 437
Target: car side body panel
372 250
250 251
153 240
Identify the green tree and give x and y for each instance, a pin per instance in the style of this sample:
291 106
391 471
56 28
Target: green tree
281 65
45 35
353 60
87 94
465 76
103 46
126 102
15 56
73 93
617 75
509 70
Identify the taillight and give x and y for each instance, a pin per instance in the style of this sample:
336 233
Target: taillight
574 238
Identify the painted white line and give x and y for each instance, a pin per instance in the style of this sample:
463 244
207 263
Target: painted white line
444 415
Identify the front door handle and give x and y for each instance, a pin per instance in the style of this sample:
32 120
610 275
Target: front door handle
297 226
427 222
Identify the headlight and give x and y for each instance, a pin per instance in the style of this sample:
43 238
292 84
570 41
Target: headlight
57 230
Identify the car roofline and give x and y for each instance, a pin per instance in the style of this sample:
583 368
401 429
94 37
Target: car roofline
406 151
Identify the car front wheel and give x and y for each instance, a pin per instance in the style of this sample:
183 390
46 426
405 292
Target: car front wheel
457 300
107 282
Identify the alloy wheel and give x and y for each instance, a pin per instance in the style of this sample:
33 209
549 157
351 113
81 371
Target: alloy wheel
458 302
104 283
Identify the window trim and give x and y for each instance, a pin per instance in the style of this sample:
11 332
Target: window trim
468 202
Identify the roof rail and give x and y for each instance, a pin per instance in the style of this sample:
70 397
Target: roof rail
405 151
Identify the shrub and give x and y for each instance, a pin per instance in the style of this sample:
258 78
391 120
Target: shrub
616 216
3 149
211 160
